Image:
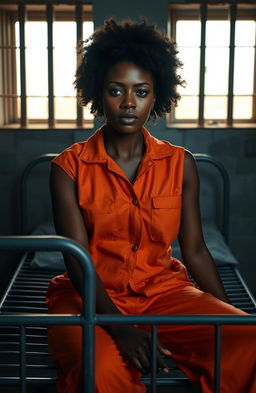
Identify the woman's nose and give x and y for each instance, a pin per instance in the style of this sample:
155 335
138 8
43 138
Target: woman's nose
128 101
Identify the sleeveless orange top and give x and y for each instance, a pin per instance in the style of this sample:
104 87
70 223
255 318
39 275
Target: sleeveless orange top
130 226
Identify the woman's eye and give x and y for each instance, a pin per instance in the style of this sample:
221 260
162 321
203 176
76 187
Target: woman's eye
142 93
114 91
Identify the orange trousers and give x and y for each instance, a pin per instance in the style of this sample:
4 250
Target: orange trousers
192 347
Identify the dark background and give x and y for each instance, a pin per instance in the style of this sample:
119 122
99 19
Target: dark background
235 148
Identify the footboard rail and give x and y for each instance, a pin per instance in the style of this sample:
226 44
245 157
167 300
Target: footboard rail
89 319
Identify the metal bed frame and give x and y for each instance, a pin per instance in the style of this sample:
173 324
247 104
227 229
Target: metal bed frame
24 356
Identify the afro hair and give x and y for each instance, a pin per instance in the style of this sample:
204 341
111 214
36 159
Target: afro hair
140 43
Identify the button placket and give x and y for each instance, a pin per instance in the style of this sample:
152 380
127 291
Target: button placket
134 247
136 222
135 201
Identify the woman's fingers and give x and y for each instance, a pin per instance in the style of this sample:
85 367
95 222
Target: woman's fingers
135 346
144 356
162 365
144 359
137 364
143 363
164 351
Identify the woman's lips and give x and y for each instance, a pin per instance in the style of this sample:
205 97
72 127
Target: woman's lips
127 119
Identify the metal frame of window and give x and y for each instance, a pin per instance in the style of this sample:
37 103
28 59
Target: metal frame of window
50 11
8 85
232 10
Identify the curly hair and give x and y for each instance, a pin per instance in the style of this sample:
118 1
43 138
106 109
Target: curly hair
139 43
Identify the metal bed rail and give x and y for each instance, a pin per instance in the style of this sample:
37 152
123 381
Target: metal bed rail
88 319
199 157
23 209
27 295
13 280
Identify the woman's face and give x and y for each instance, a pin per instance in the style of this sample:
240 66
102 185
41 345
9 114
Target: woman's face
128 97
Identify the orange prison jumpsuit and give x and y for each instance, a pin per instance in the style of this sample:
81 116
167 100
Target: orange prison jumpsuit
130 230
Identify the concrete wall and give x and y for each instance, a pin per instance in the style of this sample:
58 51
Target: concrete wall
231 147
235 148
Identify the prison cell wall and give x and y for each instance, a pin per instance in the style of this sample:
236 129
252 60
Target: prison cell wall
234 147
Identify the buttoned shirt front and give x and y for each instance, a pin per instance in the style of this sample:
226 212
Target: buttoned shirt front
130 226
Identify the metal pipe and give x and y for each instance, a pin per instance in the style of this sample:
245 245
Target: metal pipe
54 243
88 319
59 243
226 189
79 37
217 359
203 17
50 17
153 358
68 319
232 18
177 319
23 384
23 93
23 200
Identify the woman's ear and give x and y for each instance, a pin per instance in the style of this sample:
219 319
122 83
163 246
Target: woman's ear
153 115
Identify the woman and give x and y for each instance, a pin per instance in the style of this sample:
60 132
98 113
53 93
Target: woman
125 196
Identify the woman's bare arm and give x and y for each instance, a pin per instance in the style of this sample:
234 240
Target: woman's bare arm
69 222
193 248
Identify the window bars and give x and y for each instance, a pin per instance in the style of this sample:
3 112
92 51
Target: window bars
201 10
50 19
88 319
233 8
51 10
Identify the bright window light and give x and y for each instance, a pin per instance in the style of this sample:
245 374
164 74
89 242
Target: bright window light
64 57
216 69
188 42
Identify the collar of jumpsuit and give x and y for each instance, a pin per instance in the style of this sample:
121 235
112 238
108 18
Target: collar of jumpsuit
130 226
94 150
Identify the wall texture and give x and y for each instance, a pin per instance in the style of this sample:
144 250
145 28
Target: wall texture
235 148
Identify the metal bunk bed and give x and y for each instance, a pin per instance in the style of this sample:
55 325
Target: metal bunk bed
23 301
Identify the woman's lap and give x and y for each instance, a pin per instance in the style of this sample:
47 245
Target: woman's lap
65 347
192 346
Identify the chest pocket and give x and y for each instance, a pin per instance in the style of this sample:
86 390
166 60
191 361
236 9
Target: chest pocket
103 218
165 218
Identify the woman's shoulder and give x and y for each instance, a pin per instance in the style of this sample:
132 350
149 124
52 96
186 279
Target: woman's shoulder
162 147
173 147
74 150
84 148
68 159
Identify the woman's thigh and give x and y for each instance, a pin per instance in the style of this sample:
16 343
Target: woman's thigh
65 342
191 301
112 372
192 346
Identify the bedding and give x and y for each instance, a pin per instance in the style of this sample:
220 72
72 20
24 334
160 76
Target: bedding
47 260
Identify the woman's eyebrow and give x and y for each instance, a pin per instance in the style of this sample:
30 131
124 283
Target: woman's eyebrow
123 84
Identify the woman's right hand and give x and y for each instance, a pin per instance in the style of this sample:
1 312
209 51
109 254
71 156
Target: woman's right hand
135 346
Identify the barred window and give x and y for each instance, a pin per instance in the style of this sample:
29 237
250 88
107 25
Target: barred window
216 44
38 48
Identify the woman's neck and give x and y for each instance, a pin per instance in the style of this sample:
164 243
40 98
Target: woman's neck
123 147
